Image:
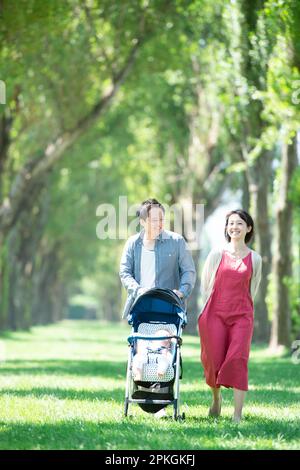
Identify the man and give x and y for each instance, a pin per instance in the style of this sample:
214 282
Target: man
155 257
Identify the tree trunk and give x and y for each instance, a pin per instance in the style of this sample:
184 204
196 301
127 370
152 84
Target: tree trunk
7 117
49 292
23 243
20 286
282 262
259 178
246 193
258 171
111 306
4 285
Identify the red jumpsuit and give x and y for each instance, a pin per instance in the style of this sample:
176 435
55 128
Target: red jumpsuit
226 325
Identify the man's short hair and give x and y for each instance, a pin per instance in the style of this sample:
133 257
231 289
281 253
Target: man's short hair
146 206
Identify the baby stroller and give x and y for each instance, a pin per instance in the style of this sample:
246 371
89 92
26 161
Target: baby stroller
156 309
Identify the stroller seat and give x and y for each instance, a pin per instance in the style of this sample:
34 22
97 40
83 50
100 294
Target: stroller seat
149 372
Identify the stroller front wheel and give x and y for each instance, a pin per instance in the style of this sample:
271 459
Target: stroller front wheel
126 405
180 417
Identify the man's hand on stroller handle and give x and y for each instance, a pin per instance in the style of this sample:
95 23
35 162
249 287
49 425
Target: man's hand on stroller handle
179 293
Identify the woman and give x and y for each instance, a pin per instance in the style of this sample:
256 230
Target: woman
229 282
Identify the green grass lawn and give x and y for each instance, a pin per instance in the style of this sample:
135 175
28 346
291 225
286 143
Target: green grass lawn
62 387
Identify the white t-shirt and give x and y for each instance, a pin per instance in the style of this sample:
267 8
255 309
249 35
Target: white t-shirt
147 268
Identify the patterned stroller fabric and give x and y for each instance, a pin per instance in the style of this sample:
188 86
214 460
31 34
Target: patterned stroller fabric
153 356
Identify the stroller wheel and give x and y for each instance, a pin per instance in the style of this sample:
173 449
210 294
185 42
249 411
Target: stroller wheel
126 407
179 417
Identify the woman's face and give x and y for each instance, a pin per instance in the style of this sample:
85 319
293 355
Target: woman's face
237 228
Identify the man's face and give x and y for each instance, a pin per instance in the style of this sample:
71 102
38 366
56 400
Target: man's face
154 224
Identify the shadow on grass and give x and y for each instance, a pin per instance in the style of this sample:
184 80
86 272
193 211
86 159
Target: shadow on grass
261 397
10 336
129 433
199 398
99 395
117 395
78 434
282 373
65 367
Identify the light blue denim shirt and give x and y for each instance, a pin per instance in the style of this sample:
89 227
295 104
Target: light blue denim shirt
174 265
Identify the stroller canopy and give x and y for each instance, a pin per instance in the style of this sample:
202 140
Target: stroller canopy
159 305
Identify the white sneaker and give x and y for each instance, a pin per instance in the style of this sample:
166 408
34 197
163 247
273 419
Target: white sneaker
161 414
